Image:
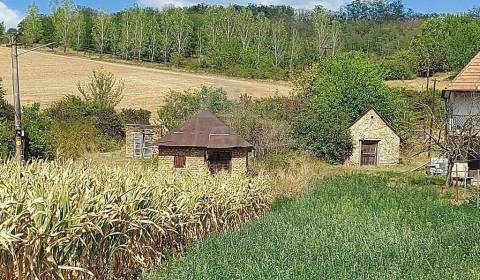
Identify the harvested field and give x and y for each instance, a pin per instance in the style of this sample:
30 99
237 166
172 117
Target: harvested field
46 78
420 83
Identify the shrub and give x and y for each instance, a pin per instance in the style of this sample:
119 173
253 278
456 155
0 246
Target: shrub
323 130
37 125
135 116
102 90
352 83
399 66
74 139
106 145
265 123
180 106
7 140
7 115
108 123
215 100
70 108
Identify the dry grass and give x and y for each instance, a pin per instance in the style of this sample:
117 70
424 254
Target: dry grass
46 78
420 84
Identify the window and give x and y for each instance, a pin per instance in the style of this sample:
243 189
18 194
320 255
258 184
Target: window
143 144
147 145
219 161
137 144
179 161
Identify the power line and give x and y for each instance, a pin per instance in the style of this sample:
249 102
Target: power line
19 132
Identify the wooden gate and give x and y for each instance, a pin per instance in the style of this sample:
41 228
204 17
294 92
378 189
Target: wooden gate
369 153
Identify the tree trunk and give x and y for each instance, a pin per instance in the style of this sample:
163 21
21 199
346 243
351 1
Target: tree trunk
451 162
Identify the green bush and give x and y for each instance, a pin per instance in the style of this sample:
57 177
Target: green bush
74 139
37 125
106 145
180 106
265 123
399 66
7 140
352 83
215 100
135 116
70 108
323 130
108 123
7 116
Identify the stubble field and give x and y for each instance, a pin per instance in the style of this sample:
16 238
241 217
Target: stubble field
46 78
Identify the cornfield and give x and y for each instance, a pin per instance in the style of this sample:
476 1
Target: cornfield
77 220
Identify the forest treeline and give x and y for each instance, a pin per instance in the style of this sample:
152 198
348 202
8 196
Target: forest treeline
263 41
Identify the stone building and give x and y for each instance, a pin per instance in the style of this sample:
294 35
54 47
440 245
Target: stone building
204 143
140 140
375 142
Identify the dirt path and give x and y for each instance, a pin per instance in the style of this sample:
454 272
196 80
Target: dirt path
47 77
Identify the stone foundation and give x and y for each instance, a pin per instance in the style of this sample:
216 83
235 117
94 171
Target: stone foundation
195 159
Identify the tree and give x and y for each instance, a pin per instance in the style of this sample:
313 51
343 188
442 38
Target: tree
135 116
2 28
181 29
126 33
454 137
32 26
62 21
140 24
101 31
180 106
78 28
278 42
327 32
353 83
102 90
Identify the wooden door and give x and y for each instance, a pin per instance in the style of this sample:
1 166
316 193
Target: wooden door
369 153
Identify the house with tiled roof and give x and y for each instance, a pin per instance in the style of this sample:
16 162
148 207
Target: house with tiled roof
463 107
204 143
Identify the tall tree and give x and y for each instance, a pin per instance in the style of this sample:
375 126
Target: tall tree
62 21
278 41
78 28
32 26
101 31
2 28
181 29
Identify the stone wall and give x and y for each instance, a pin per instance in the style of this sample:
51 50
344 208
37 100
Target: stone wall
132 128
195 159
372 127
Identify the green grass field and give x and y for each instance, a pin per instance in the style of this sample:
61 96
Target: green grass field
350 227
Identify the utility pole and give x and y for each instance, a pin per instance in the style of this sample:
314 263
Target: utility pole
19 132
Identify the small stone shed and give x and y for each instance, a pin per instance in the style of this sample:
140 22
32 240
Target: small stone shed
140 140
204 143
375 142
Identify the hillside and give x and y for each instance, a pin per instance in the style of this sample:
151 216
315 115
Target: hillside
46 78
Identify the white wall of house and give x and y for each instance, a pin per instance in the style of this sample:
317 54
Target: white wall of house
463 105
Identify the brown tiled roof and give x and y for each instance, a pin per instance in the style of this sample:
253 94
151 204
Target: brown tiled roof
469 78
204 130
